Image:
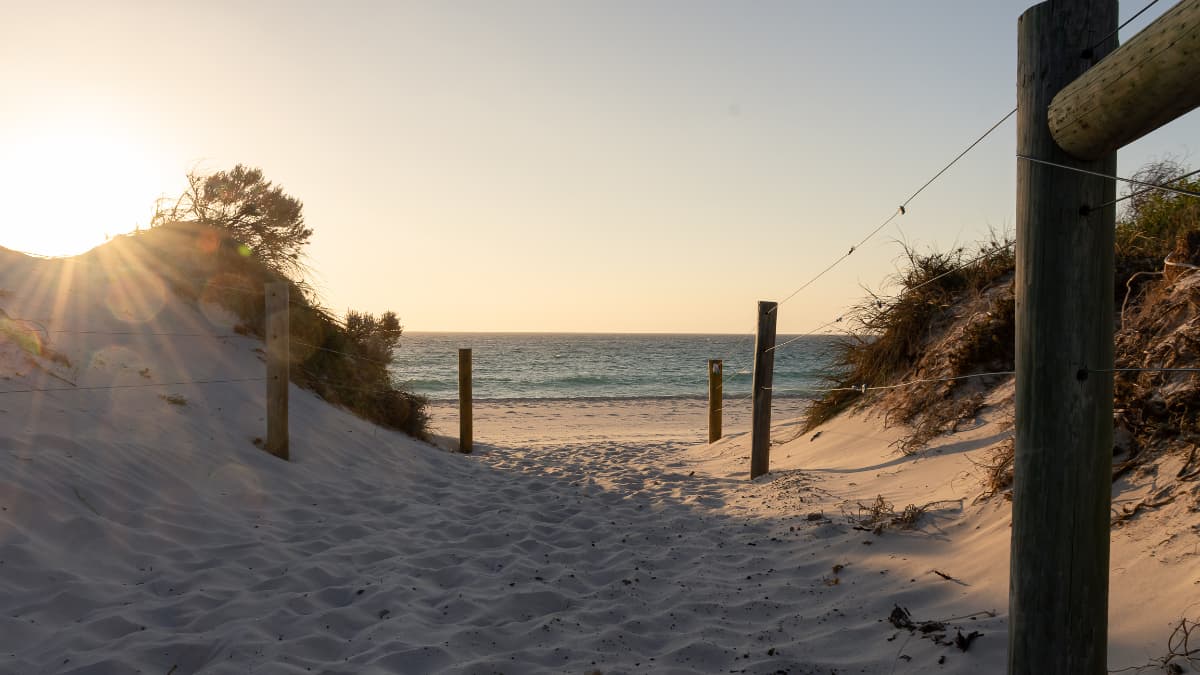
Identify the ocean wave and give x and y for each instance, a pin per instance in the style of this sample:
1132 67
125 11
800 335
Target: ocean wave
537 367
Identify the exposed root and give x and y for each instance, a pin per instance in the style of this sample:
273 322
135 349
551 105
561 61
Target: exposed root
881 515
1128 512
1179 651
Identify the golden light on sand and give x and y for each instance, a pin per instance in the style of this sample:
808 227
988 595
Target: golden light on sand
136 301
63 192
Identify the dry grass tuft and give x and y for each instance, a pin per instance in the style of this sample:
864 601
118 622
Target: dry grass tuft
881 515
953 316
997 471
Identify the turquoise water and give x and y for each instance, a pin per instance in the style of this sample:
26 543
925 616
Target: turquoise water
564 366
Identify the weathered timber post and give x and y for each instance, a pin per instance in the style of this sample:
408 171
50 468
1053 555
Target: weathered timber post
1058 588
465 424
277 330
715 403
1147 82
764 372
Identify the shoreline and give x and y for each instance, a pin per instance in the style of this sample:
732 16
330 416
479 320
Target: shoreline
523 422
611 399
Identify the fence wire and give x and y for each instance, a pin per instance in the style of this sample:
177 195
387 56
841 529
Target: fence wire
1087 53
901 210
139 385
1131 181
863 388
341 353
1138 193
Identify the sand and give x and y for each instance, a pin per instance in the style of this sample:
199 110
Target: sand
144 534
535 423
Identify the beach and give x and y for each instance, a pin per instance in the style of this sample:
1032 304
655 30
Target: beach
142 528
391 338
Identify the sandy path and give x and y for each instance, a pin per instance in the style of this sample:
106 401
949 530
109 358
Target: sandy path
141 529
608 556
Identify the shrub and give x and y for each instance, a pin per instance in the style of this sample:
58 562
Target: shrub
260 216
891 334
1151 224
344 364
1152 221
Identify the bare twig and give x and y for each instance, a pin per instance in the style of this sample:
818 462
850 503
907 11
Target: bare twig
1178 647
1129 291
1130 512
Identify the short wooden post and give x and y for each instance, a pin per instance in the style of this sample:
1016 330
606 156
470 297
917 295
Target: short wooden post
1058 588
715 404
277 368
764 372
465 430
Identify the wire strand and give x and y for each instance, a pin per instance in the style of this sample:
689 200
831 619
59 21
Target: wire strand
1143 370
346 354
130 386
1087 53
977 259
728 373
1141 192
960 156
154 334
863 388
899 211
997 373
1155 186
739 399
346 387
985 256
832 265
810 333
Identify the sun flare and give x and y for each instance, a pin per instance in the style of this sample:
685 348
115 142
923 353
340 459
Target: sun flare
63 192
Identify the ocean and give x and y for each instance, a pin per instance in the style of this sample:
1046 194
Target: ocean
518 366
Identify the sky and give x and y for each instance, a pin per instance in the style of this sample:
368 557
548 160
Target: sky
556 165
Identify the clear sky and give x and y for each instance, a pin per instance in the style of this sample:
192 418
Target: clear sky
539 166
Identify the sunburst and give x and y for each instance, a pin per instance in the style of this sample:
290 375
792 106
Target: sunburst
66 188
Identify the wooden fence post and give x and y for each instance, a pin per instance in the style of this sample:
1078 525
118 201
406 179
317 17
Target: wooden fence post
715 402
764 372
1058 589
1137 88
465 423
276 294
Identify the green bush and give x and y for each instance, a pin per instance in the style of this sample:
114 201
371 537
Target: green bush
1152 221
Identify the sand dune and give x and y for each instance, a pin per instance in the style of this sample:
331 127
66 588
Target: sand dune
139 534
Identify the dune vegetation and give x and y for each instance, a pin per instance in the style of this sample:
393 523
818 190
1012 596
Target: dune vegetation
953 315
232 232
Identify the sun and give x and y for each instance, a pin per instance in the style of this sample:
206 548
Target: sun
65 190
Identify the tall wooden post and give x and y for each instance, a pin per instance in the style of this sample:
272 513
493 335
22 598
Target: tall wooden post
764 373
715 402
277 331
465 424
1058 588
